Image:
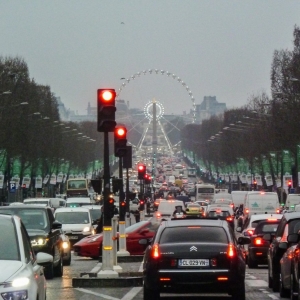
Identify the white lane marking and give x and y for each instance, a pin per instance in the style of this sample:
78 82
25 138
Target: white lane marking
96 268
132 293
273 296
251 277
96 294
141 267
257 282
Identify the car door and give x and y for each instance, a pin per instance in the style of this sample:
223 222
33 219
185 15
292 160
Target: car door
38 271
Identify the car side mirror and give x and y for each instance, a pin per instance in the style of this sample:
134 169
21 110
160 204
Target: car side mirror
238 229
56 225
283 246
243 240
145 242
293 238
267 237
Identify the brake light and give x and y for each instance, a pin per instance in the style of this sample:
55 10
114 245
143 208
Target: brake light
258 241
155 251
246 210
262 193
231 205
158 215
277 210
231 251
229 219
272 220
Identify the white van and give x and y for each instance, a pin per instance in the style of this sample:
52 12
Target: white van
292 200
171 180
51 202
78 202
261 203
166 209
238 197
205 192
76 222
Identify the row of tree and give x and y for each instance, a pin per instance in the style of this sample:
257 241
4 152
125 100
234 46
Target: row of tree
265 125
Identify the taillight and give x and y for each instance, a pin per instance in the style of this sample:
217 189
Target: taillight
258 241
229 219
158 215
155 251
246 210
277 210
231 251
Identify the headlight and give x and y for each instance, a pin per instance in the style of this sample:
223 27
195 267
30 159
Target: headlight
39 242
20 282
65 245
86 229
17 295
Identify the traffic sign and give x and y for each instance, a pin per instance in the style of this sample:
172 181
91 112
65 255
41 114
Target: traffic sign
12 187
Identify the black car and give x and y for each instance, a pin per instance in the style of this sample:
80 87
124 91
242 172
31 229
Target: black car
289 224
258 247
44 233
194 255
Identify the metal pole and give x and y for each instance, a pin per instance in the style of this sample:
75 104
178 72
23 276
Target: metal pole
128 219
107 270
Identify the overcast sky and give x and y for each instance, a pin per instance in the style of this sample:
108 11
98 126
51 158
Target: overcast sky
218 48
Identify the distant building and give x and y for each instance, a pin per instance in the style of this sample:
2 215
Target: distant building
209 107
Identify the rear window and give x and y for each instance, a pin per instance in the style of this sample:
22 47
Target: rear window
168 207
216 213
206 190
78 217
193 234
266 228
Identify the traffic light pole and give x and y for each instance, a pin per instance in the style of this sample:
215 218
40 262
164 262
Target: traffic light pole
107 270
127 200
122 236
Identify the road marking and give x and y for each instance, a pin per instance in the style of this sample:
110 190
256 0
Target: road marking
141 267
256 282
273 296
96 294
132 293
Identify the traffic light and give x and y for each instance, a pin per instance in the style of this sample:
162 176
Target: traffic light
122 211
142 204
116 185
109 207
289 185
106 102
141 172
147 179
120 141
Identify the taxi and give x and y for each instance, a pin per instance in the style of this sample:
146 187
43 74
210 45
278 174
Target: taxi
194 209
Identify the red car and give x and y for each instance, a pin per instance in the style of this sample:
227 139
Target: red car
91 246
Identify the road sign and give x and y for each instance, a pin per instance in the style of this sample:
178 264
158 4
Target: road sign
12 187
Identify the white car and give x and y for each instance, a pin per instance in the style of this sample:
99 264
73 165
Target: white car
22 275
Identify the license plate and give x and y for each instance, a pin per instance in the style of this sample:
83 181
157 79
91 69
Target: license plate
73 237
193 263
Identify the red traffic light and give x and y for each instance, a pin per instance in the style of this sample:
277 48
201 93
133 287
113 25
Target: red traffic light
121 132
123 203
111 200
290 183
106 95
141 167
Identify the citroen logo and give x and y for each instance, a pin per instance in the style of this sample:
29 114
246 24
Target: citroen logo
193 248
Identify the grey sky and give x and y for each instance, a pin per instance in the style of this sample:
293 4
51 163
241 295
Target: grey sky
218 47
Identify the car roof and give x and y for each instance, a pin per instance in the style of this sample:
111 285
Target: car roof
67 209
266 216
292 215
33 206
193 222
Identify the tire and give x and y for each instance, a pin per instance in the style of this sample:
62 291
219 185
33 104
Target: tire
270 280
239 293
67 262
292 285
151 294
251 263
49 271
284 293
59 269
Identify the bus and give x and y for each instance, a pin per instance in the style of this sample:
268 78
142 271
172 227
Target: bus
205 192
77 187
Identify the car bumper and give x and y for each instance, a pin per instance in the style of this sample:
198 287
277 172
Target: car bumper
259 254
220 280
86 251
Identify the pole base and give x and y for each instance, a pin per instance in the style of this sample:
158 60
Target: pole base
123 253
107 274
118 269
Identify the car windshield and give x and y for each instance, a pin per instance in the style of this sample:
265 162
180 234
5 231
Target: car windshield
167 207
9 248
135 226
72 217
32 218
95 213
193 234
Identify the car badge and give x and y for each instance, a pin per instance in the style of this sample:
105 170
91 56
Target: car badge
193 248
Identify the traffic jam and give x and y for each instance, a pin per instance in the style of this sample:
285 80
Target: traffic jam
191 236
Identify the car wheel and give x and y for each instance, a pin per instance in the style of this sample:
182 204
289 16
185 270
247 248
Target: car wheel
49 273
59 269
67 262
284 293
251 263
239 293
292 290
270 280
151 294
